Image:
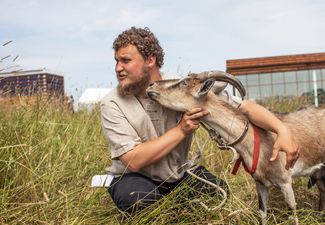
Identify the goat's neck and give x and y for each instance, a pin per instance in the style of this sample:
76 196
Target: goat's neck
230 124
225 120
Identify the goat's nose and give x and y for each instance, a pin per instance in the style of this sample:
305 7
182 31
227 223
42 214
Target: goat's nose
150 85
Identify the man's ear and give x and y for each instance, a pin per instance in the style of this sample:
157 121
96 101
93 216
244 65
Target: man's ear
151 61
205 87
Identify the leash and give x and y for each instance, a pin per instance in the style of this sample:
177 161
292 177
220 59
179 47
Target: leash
221 142
224 145
189 171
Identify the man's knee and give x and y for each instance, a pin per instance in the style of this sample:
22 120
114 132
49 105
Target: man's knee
131 193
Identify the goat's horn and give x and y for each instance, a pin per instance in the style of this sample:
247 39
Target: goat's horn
222 76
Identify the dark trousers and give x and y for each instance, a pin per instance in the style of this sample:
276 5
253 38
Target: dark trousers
133 191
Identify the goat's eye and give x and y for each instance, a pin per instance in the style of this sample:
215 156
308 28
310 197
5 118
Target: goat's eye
184 83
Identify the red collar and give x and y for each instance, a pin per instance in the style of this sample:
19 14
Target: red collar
255 155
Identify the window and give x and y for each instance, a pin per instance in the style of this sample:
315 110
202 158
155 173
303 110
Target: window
242 79
291 89
303 76
253 92
303 87
318 75
278 89
277 78
322 71
266 91
265 78
290 77
252 79
318 85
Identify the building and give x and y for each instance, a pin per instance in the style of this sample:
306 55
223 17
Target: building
27 85
290 75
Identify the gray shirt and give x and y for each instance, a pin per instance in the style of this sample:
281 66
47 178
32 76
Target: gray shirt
125 126
128 121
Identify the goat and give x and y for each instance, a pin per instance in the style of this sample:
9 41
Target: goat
307 127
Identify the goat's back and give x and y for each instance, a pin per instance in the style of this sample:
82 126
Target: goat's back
308 128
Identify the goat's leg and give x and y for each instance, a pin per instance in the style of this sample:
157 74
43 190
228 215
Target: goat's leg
321 188
289 198
262 193
318 178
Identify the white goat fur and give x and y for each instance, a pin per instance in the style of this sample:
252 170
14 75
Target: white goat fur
307 127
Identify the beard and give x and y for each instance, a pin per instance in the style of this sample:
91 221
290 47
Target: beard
136 87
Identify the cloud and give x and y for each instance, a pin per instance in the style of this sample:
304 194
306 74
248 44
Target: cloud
278 26
75 37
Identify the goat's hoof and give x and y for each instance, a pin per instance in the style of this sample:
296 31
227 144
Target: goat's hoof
294 220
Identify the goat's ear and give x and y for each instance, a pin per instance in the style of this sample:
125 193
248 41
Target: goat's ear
218 87
205 87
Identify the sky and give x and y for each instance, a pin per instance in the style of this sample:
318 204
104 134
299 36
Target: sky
74 37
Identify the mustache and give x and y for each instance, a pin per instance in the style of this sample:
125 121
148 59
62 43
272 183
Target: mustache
136 87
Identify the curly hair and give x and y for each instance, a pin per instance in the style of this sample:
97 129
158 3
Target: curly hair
144 40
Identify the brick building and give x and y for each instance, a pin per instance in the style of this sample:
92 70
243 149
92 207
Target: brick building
289 75
30 84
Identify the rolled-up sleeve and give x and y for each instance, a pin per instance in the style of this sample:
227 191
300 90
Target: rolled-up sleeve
233 100
119 133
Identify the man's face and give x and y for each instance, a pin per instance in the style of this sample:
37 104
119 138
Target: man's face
131 70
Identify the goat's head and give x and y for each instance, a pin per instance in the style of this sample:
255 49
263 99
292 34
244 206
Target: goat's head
184 94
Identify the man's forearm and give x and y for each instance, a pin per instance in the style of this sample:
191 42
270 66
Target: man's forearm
261 117
152 151
284 141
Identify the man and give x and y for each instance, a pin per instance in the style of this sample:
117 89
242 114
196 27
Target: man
149 144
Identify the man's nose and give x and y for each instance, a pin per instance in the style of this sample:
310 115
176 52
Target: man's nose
118 67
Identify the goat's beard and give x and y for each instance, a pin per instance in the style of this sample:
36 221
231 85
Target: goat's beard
137 87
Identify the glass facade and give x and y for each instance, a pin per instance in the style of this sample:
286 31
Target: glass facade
292 83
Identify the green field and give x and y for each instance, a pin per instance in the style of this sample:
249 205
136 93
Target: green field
48 156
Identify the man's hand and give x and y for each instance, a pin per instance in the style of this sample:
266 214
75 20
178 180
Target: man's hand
263 118
191 120
284 142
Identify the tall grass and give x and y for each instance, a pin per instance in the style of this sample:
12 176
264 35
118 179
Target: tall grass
48 156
